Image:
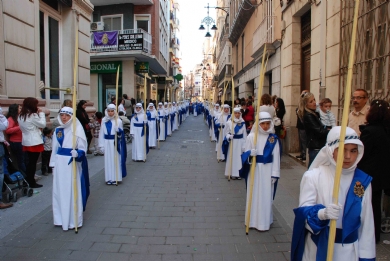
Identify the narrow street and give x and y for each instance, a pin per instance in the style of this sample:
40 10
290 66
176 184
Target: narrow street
176 206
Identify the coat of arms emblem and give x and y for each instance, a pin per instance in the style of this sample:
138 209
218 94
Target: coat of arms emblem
271 139
59 134
358 189
105 39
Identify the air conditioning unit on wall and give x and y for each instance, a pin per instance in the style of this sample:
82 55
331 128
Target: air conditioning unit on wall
97 26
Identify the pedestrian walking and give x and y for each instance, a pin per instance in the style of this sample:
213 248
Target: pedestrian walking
353 214
114 159
63 183
238 138
137 130
267 151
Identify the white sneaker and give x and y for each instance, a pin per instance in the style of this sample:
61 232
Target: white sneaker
37 177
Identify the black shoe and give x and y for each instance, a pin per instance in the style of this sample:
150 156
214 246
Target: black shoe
36 185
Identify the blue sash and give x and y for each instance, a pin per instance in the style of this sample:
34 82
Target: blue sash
351 222
84 175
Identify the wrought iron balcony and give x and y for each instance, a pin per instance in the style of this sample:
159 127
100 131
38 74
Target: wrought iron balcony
133 40
240 12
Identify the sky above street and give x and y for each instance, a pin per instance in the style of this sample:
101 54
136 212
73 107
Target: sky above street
191 38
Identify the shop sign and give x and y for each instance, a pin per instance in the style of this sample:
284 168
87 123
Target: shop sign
131 42
142 67
106 67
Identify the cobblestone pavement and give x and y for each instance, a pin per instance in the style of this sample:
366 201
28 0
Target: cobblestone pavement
176 206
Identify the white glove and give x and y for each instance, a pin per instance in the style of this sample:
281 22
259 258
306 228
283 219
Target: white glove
273 180
230 136
332 211
253 152
116 128
74 153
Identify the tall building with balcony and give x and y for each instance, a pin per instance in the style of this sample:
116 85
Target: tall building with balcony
129 34
315 53
174 49
254 25
37 46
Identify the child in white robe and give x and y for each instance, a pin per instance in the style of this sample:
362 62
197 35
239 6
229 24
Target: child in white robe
216 112
152 123
355 233
219 126
267 151
137 130
161 119
114 165
61 158
238 138
168 122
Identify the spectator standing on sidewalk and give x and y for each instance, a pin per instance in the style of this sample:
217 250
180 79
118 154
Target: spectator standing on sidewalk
280 111
301 130
316 132
3 127
128 106
83 117
266 104
357 117
96 125
31 120
15 136
375 162
47 135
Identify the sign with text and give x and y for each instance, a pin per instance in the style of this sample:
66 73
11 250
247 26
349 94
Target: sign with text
131 42
142 67
105 67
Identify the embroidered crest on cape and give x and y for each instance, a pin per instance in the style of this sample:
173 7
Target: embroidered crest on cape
358 189
59 134
271 139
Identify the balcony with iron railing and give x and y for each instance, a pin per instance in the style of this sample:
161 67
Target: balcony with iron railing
264 34
118 44
240 13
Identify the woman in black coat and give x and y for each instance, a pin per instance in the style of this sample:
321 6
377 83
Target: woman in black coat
375 162
316 132
83 117
280 110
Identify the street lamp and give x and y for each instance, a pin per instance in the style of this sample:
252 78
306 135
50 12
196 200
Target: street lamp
208 21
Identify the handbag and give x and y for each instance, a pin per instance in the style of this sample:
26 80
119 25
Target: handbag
283 132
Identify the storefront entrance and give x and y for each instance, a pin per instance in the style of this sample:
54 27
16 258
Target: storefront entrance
107 88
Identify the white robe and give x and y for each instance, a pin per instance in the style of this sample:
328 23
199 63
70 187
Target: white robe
238 149
218 145
169 129
216 115
108 146
176 119
317 188
63 193
152 129
261 210
138 143
162 123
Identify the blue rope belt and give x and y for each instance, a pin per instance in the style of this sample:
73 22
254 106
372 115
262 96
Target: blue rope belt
264 160
109 137
64 151
161 117
349 239
238 136
138 124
